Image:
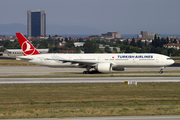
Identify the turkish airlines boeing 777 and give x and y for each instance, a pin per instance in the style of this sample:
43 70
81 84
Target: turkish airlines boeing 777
98 62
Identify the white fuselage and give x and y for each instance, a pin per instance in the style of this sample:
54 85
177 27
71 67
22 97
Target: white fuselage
117 60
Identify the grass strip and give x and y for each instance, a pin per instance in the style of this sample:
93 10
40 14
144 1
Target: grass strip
64 93
89 112
7 62
54 100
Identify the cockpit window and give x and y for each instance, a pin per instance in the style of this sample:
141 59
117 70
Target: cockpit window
169 59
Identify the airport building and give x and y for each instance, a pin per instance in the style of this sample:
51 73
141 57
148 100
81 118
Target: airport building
36 23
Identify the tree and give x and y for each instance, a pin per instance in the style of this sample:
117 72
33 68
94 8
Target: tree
175 41
152 50
78 50
91 47
167 40
107 49
126 42
127 49
114 49
66 39
158 42
155 41
139 43
171 41
152 43
118 42
43 44
7 44
122 46
70 44
133 43
162 42
80 39
145 44
173 52
164 52
50 49
143 50
2 49
135 49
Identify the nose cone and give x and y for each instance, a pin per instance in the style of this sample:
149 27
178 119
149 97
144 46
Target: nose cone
170 62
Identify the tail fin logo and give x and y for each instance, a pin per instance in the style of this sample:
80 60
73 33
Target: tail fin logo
27 48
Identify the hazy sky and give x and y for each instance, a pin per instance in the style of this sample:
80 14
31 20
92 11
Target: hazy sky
123 16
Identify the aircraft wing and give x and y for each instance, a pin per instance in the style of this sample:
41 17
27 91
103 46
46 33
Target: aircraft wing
75 61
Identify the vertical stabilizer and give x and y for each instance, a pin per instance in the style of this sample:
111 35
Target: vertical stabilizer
26 46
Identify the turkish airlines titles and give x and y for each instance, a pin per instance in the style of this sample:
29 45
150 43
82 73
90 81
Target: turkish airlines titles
135 56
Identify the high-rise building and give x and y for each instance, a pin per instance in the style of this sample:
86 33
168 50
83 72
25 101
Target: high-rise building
144 34
112 34
149 36
36 23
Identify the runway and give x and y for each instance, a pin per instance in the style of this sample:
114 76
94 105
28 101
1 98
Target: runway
86 80
38 70
163 117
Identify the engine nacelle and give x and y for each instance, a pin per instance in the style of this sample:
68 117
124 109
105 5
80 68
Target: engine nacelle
104 67
118 68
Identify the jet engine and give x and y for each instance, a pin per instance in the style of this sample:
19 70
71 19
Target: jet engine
103 67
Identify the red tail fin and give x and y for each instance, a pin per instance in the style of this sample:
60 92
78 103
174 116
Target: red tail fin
26 46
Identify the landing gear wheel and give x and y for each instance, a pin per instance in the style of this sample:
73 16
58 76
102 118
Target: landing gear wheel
85 72
95 72
160 71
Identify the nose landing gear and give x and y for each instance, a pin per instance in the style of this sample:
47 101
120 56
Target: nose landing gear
161 70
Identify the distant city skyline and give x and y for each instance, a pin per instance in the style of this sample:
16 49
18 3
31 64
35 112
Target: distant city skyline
94 16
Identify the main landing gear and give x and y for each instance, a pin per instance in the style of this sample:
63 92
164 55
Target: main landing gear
91 72
86 72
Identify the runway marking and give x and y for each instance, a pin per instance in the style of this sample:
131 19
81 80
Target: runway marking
86 80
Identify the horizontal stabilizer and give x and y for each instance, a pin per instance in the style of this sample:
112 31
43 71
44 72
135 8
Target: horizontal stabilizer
23 58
